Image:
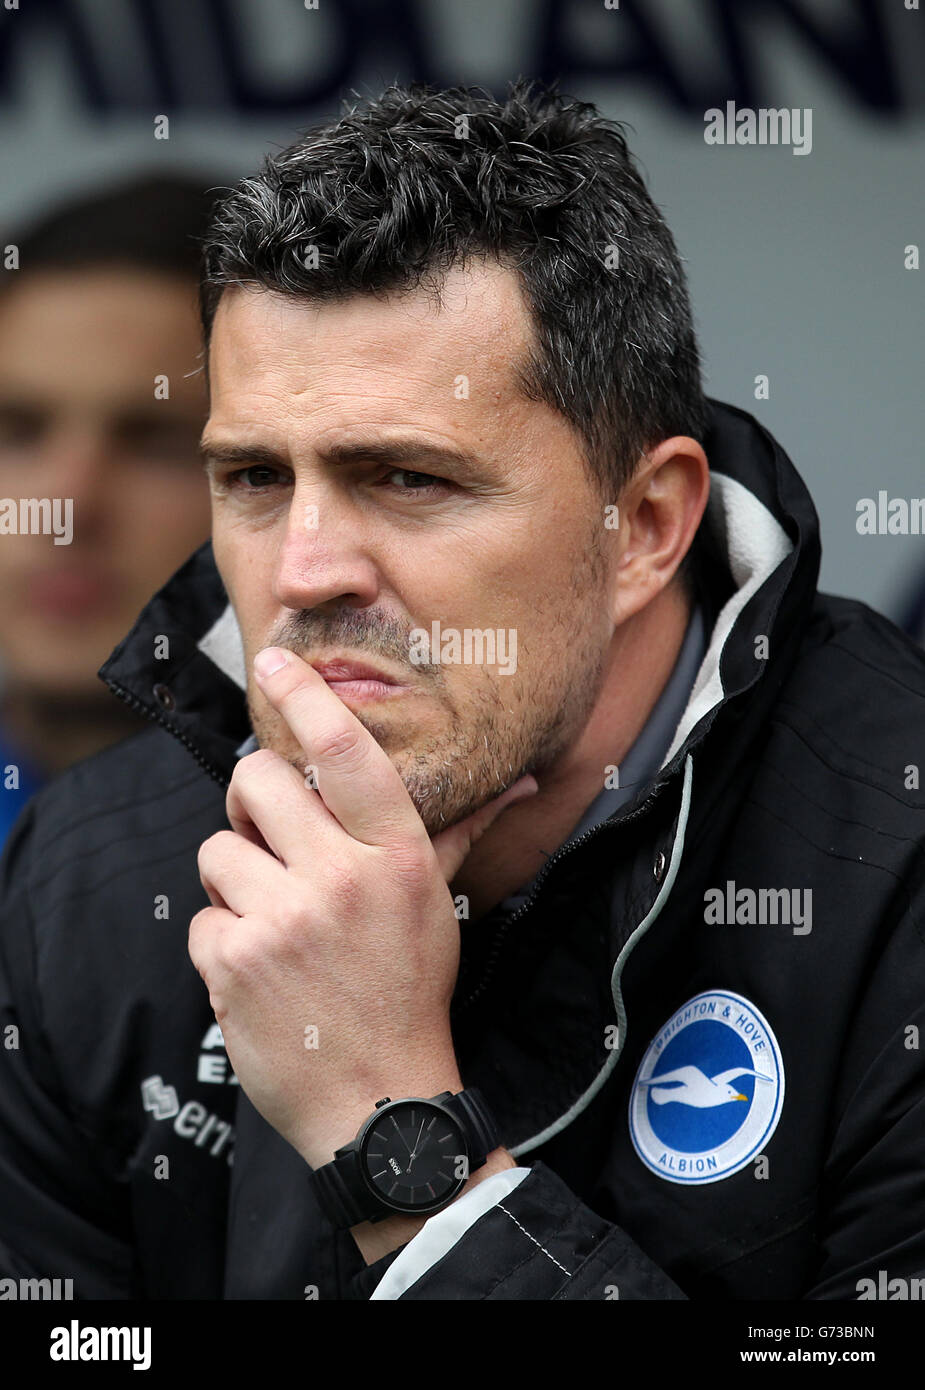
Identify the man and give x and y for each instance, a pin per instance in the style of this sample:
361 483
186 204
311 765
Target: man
532 800
101 407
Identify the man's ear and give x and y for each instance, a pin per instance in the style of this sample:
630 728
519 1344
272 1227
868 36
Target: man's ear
660 511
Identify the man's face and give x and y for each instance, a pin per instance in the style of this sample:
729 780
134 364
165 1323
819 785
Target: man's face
80 356
333 547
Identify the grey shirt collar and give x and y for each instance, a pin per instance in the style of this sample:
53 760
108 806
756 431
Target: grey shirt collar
644 759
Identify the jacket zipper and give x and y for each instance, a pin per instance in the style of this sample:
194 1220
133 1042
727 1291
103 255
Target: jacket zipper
616 979
140 708
560 854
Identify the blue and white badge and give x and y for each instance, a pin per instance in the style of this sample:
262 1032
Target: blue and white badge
709 1090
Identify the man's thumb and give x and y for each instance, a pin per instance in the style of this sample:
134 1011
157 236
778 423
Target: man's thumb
453 845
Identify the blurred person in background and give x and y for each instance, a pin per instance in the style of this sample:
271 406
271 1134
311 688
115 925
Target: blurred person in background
101 402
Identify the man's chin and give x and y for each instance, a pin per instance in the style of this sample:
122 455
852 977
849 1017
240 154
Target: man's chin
447 779
438 805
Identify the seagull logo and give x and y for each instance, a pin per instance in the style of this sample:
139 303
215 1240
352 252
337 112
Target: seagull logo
690 1086
687 1120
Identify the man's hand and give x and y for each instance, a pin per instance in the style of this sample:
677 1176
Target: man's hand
331 948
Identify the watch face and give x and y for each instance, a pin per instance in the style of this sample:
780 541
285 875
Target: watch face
413 1156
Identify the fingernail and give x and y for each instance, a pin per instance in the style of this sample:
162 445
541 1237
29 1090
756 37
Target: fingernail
269 660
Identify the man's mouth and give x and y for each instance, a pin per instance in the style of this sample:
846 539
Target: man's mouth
356 680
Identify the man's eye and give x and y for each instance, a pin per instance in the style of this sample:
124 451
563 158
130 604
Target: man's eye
414 482
259 475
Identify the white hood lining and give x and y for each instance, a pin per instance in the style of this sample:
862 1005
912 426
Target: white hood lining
754 543
222 644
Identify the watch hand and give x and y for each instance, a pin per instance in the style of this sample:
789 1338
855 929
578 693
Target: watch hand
414 1151
420 1132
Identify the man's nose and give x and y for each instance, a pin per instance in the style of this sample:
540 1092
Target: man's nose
323 558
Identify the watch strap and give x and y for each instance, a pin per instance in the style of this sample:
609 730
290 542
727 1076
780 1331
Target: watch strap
477 1123
344 1195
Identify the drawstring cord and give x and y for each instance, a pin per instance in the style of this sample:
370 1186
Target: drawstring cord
638 933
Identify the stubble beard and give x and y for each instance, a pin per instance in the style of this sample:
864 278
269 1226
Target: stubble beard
514 725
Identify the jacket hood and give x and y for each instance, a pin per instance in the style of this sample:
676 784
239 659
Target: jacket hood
182 664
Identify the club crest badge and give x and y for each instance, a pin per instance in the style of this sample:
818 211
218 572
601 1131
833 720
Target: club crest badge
709 1090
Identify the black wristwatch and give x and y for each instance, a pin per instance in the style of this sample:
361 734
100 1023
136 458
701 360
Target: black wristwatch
411 1156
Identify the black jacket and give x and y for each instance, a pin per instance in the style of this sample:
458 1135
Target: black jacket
791 771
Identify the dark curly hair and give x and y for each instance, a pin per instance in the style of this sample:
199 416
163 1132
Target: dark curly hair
403 187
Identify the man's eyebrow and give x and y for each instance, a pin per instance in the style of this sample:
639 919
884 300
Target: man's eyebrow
399 451
211 451
395 451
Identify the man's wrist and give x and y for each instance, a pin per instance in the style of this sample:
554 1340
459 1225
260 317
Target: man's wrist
319 1148
381 1238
